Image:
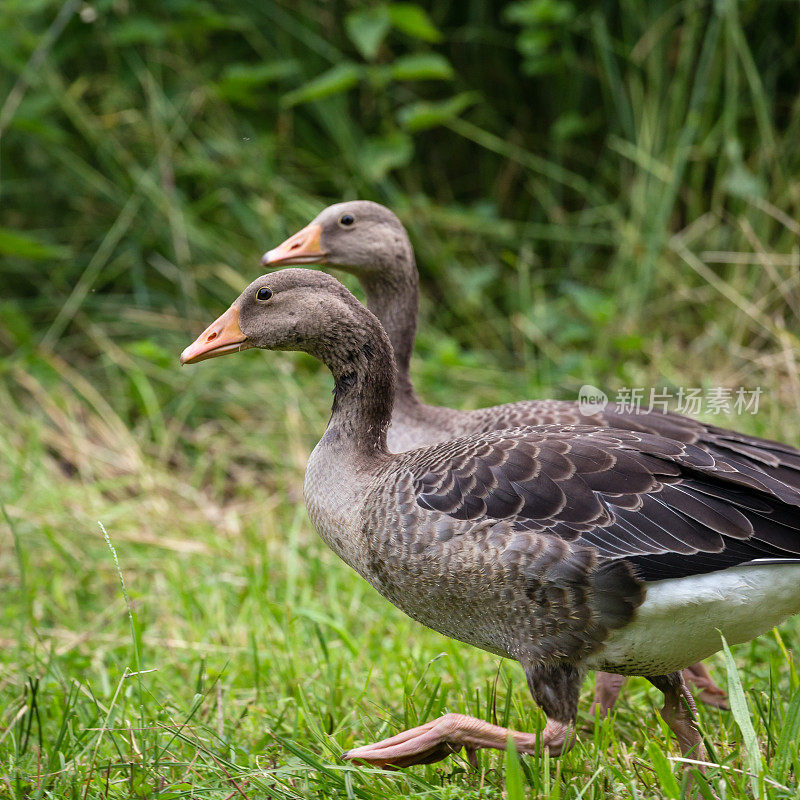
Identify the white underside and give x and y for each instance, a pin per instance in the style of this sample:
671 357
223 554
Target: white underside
680 621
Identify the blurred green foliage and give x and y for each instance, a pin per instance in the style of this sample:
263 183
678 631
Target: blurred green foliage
559 164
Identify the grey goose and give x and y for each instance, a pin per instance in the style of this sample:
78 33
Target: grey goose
369 241
563 547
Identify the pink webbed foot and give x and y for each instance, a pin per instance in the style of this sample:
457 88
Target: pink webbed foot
442 737
710 694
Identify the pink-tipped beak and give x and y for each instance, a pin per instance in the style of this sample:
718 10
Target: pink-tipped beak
302 248
220 337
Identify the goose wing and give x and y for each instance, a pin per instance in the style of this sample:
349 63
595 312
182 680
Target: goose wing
669 507
777 460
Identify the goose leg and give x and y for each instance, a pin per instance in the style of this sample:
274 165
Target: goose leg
710 694
441 737
607 686
679 713
556 690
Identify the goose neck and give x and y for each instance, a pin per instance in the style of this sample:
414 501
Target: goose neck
364 386
394 299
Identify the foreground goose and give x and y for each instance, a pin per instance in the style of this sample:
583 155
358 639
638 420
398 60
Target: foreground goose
564 547
369 241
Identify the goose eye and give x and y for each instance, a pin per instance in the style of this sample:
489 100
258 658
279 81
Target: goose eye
346 219
264 294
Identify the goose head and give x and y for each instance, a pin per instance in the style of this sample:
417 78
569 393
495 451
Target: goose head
358 236
293 309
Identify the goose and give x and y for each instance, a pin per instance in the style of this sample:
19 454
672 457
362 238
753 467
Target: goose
563 547
367 240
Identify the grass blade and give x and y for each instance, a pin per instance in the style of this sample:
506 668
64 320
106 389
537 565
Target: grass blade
788 740
513 772
741 715
663 770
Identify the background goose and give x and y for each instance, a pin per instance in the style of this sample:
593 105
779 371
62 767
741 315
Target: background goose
369 241
563 547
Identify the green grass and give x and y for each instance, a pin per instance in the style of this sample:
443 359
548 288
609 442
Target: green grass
241 657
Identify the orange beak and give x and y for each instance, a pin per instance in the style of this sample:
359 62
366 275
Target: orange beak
302 248
220 337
